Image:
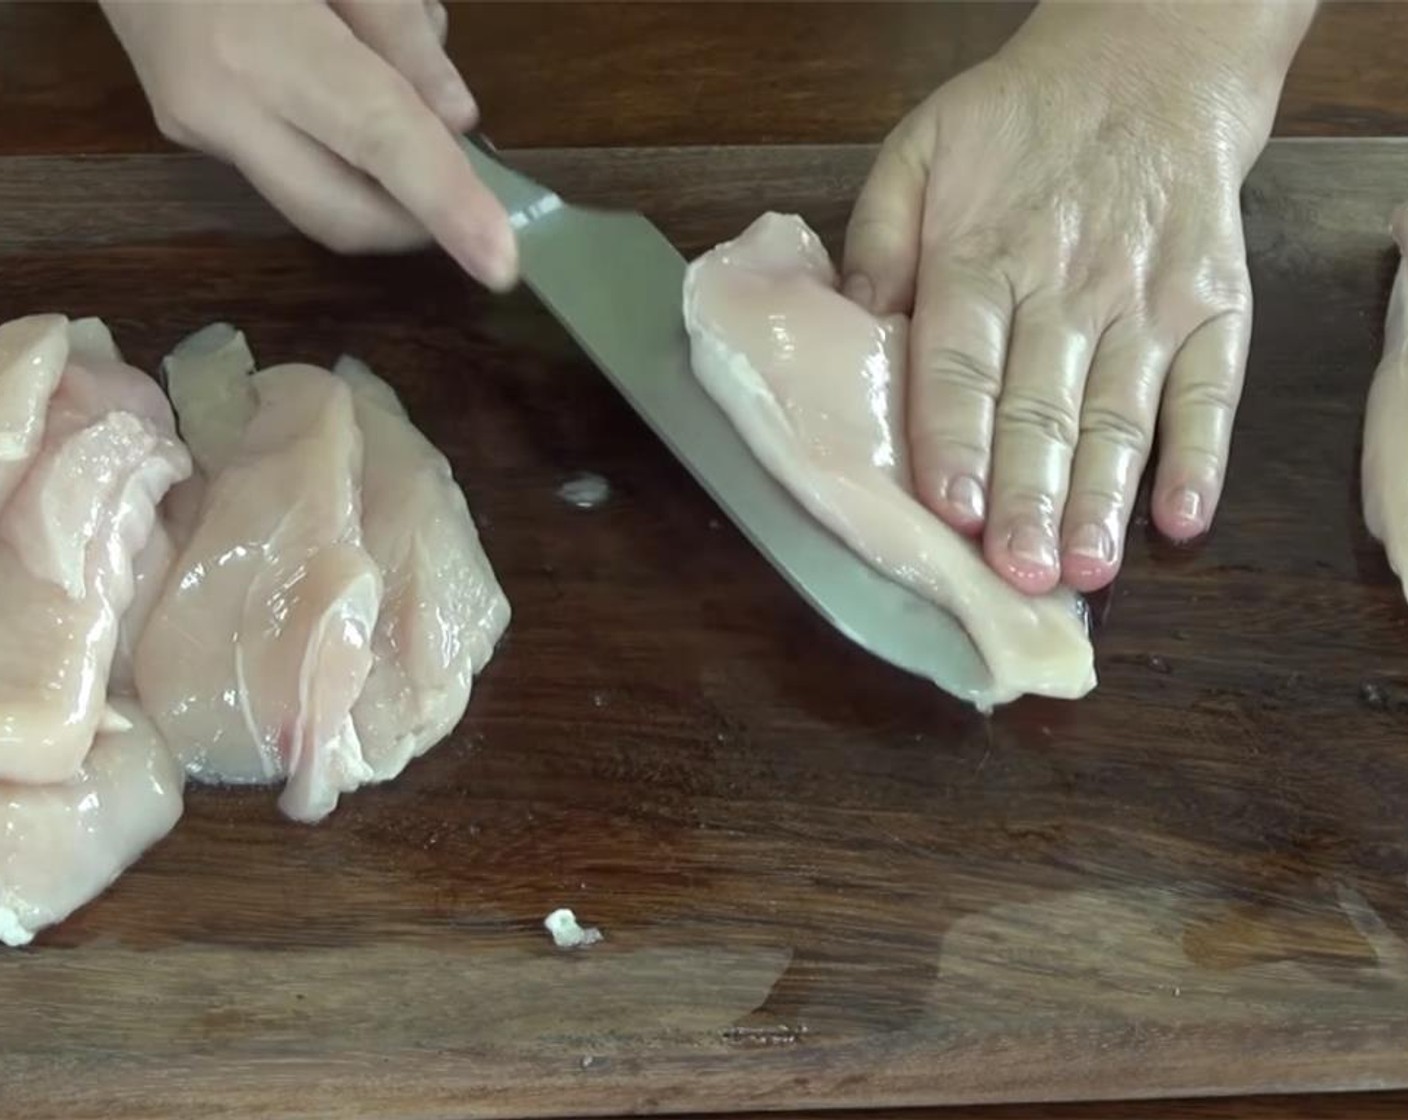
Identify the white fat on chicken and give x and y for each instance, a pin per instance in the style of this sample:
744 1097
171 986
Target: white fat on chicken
63 844
442 609
259 643
82 510
815 385
1384 486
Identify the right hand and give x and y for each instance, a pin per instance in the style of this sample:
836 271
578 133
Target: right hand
344 114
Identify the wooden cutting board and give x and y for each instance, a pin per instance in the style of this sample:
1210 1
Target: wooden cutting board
821 883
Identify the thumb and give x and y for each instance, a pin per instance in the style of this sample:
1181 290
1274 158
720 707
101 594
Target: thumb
882 238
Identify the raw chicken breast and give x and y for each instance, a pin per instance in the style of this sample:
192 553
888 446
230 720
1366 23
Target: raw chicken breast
90 340
149 571
815 385
207 375
1384 462
68 535
259 643
33 351
62 845
442 610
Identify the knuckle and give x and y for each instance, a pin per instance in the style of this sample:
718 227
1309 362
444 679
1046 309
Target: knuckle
379 135
1029 414
942 448
1114 426
1207 393
1092 501
954 368
1011 501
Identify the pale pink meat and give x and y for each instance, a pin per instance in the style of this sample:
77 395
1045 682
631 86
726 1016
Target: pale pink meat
75 520
63 844
815 385
259 643
442 610
33 351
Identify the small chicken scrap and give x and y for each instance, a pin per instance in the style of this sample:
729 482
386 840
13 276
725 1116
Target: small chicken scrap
289 591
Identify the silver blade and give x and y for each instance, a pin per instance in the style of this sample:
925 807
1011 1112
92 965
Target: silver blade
616 284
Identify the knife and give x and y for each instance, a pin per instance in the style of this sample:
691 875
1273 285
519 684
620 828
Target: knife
616 284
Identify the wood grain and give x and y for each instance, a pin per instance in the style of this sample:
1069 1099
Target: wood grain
574 73
822 884
642 74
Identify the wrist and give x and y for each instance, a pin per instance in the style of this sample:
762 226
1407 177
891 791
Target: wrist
1185 58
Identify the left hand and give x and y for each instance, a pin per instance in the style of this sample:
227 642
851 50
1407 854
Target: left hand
1065 221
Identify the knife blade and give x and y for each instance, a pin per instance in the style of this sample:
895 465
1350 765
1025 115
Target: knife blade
616 284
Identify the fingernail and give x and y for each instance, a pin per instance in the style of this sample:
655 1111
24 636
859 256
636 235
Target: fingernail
965 494
859 289
1094 543
1033 545
1187 504
498 263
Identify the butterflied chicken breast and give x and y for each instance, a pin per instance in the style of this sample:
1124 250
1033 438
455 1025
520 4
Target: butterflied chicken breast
816 387
259 643
75 520
1384 463
442 610
63 844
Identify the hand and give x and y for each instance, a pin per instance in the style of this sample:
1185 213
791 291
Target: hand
1065 221
342 114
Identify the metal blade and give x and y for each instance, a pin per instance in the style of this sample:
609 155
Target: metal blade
616 284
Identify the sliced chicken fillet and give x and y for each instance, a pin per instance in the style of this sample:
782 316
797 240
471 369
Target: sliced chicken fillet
815 385
443 610
33 351
63 844
259 642
68 537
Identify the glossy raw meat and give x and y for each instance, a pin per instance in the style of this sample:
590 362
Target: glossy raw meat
1384 465
207 376
815 385
61 845
33 351
81 512
442 611
259 644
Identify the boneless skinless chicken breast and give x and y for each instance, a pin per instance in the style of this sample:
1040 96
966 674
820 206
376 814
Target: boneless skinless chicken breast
815 386
442 610
64 843
259 643
81 506
1384 464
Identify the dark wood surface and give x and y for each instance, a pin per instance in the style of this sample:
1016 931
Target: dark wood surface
575 73
822 884
822 766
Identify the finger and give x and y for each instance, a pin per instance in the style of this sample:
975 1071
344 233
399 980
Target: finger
344 96
404 33
957 345
1034 442
1116 432
321 195
1195 425
882 237
439 20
